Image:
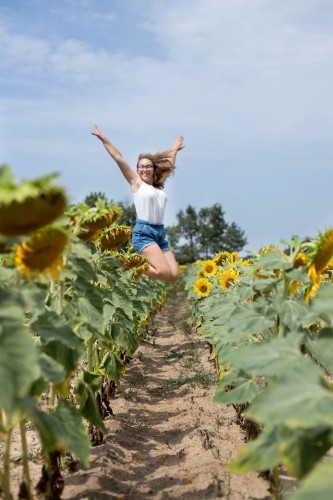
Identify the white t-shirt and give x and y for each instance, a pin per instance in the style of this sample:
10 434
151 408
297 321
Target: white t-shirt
150 203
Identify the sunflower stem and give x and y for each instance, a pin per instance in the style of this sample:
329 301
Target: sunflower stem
26 472
52 394
61 303
5 477
90 354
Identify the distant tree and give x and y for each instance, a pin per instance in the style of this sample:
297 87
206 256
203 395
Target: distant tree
234 238
203 234
212 228
128 216
184 235
91 198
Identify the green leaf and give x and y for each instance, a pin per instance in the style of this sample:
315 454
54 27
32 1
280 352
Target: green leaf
51 371
318 485
88 404
321 304
247 321
50 327
76 438
122 300
62 430
293 312
91 316
123 338
321 348
243 389
259 455
19 366
301 449
112 366
298 399
271 357
272 260
65 356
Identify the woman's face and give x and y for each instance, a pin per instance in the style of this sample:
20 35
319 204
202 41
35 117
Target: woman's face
146 170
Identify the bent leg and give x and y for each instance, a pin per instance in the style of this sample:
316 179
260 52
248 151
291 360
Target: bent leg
160 268
174 269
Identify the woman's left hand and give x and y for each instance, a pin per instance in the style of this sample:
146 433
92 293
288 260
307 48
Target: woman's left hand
179 144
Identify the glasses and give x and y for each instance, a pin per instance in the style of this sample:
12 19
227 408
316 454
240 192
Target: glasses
146 167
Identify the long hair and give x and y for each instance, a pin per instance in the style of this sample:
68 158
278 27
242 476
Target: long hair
161 163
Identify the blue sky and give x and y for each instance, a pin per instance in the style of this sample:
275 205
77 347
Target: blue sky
248 83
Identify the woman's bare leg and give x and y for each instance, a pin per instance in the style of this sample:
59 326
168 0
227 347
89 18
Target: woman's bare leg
170 258
163 265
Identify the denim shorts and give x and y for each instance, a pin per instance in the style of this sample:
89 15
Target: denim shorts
146 234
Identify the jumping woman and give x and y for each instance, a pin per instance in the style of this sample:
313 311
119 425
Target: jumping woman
147 183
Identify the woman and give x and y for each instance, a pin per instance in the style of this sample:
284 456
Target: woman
147 182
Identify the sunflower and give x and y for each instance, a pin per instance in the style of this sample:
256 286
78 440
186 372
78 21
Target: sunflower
113 237
228 278
294 286
221 258
209 267
202 287
132 260
265 250
29 206
322 252
42 253
138 271
301 260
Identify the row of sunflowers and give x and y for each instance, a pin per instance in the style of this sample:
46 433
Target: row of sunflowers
269 319
72 312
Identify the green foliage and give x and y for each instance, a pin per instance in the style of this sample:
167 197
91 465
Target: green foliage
51 332
273 347
203 233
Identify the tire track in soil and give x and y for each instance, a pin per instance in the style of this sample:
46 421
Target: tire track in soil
167 439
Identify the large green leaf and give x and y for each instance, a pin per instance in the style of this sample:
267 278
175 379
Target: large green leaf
259 455
61 430
52 327
301 449
271 357
87 401
321 348
51 371
245 319
298 450
19 366
122 300
272 260
318 485
112 366
293 312
123 338
298 399
321 304
242 389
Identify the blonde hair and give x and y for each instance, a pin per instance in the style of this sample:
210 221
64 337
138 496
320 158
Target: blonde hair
161 163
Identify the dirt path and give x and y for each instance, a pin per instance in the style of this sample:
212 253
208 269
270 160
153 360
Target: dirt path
167 439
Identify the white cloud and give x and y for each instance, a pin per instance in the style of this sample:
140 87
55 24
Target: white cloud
247 83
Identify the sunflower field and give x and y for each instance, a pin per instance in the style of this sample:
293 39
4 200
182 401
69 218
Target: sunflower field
71 315
269 320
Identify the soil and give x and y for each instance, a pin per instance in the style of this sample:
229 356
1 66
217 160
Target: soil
167 438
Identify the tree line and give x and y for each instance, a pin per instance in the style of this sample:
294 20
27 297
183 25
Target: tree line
197 233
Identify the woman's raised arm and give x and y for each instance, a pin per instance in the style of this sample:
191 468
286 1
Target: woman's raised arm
130 175
177 147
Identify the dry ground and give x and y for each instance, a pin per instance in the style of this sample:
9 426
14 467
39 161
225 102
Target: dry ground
167 439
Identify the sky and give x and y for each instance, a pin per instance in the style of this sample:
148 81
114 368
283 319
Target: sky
248 83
